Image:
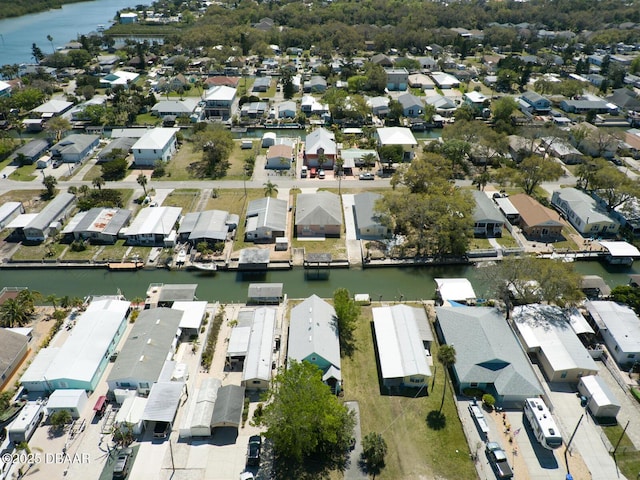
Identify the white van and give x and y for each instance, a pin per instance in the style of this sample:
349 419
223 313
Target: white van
303 172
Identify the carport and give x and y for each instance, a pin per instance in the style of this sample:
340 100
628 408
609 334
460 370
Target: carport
163 402
227 411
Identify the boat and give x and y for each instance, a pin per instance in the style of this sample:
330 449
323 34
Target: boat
205 267
182 257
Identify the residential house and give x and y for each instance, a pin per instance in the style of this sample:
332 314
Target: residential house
153 226
537 222
279 157
50 218
157 144
266 220
254 110
75 148
311 107
585 106
488 354
315 84
30 152
476 100
5 89
444 106
594 141
10 211
211 226
287 109
220 80
124 144
412 106
81 360
562 150
219 102
368 224
625 99
264 293
628 214
427 63
261 84
151 342
318 215
545 332
379 106
98 225
397 79
488 221
313 337
619 327
403 338
584 213
320 146
257 367
179 108
398 136
14 348
355 157
52 108
421 81
382 60
128 17
119 77
445 81
535 103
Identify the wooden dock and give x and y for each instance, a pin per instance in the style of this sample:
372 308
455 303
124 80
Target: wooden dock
125 266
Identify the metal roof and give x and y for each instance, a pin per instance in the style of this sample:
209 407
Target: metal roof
163 401
156 139
11 344
154 220
121 143
364 208
269 212
487 351
485 209
202 409
32 148
599 390
320 138
265 290
227 412
52 211
257 364
582 205
396 136
210 224
103 220
172 292
75 143
621 322
400 348
456 289
320 208
66 399
193 313
239 341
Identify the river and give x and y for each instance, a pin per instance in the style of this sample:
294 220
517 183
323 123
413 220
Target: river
390 283
64 24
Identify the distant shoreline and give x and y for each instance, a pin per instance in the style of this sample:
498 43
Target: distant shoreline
19 9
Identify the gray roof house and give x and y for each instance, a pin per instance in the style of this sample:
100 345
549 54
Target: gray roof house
151 340
99 225
488 354
367 220
266 219
536 102
153 226
287 109
379 106
261 84
13 350
121 143
9 211
50 218
412 106
583 212
313 336
208 226
488 220
316 84
545 331
620 330
74 148
31 151
179 108
318 215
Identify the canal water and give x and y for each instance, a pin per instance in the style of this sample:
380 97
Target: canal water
63 24
387 283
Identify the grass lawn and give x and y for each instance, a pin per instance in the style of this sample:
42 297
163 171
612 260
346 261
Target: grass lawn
232 200
87 254
187 199
236 159
114 252
479 244
568 241
38 252
26 173
245 86
415 450
178 167
94 172
507 241
627 458
241 205
335 246
141 252
147 119
31 199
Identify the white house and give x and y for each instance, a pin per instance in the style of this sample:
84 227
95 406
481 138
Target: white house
152 226
620 330
583 212
158 144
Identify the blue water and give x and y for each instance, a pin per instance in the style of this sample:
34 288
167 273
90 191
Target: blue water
65 24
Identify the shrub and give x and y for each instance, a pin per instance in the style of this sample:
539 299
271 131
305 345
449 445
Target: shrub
488 400
636 393
245 411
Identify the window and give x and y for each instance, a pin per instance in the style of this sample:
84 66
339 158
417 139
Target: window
473 384
631 355
256 382
617 349
144 384
564 375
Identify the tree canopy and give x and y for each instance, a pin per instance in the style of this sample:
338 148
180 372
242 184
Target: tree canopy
347 313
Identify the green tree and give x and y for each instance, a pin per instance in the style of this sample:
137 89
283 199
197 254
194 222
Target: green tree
36 53
502 108
60 419
534 170
98 182
53 300
57 126
50 183
142 181
347 314
115 169
270 189
303 419
628 295
216 144
447 358
457 151
374 449
13 313
614 186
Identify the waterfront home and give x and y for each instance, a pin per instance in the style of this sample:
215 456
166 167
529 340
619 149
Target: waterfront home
261 84
98 225
397 79
584 213
402 136
166 295
128 17
119 77
318 215
266 220
313 337
444 105
30 152
310 106
488 221
152 340
75 148
545 331
211 226
158 144
52 108
264 293
412 106
403 339
536 221
287 109
476 100
14 347
256 367
488 354
368 224
320 145
254 110
219 102
50 218
10 211
154 226
379 106
83 357
619 327
193 314
5 89
177 108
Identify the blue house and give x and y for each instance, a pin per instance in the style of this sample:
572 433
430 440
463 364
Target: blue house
75 148
412 106
536 102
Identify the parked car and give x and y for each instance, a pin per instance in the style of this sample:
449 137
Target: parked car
56 163
253 450
498 459
321 174
367 176
161 430
121 469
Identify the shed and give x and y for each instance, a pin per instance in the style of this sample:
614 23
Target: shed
73 401
253 259
601 401
130 413
227 411
198 420
268 139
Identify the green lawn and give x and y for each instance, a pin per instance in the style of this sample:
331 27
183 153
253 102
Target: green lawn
114 252
178 167
38 252
141 252
26 173
94 172
479 244
87 254
627 458
415 450
245 86
187 199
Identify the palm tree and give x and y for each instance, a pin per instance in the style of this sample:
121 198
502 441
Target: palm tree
98 182
50 38
29 298
142 181
65 302
369 160
447 357
270 189
84 190
53 300
13 313
50 183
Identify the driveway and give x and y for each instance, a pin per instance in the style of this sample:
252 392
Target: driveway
353 471
353 244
